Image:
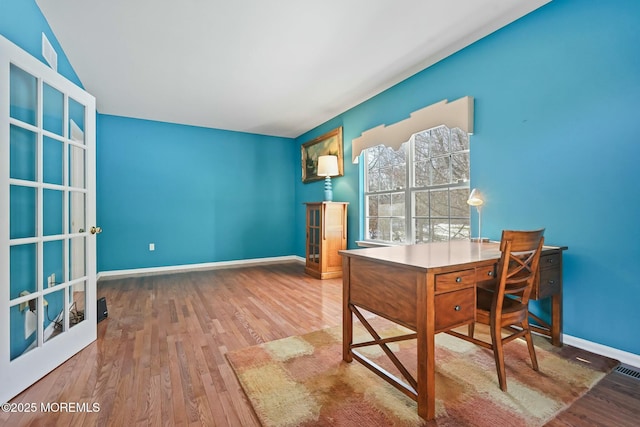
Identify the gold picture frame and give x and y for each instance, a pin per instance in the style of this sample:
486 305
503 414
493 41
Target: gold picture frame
328 144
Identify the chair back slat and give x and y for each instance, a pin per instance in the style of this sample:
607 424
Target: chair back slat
519 262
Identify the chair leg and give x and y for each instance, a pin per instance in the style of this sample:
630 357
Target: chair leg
472 327
498 355
529 339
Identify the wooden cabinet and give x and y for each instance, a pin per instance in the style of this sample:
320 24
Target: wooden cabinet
326 235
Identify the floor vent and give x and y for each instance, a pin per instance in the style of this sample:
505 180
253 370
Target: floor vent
626 370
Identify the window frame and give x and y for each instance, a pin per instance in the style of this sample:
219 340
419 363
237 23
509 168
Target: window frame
409 191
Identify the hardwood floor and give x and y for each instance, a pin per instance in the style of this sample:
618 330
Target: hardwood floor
614 401
160 355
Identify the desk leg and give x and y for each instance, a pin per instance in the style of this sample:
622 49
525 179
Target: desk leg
426 345
556 319
347 316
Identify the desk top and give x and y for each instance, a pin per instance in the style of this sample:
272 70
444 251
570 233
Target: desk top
434 255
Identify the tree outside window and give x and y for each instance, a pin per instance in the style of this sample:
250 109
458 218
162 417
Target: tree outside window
418 194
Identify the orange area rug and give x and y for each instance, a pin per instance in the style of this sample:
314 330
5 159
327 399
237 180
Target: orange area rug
302 381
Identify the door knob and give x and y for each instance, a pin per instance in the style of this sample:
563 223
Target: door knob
96 230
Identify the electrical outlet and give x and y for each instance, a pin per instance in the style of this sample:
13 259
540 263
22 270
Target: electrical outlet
152 246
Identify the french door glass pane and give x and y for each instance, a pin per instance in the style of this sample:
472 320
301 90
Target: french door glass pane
53 263
23 148
23 99
52 212
54 314
53 109
77 257
23 325
77 303
53 153
23 270
22 211
76 167
76 120
77 204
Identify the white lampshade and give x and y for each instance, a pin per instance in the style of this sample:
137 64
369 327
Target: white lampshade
328 166
475 198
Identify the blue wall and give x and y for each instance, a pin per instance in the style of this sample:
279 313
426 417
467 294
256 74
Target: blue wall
201 195
556 145
22 22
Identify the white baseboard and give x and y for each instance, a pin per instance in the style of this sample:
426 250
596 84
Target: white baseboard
113 274
623 356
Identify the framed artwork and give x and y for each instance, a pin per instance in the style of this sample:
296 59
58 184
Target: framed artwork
328 144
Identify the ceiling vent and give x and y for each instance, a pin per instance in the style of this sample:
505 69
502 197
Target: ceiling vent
49 53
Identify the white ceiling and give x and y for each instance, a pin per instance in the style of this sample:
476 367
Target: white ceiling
272 67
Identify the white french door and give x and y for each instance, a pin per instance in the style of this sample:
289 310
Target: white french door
47 213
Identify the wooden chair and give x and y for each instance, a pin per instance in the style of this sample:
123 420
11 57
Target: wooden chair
507 304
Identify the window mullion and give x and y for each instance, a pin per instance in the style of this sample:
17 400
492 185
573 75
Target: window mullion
408 203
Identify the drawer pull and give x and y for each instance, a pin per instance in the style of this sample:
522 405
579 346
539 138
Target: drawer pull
549 260
490 274
458 279
552 282
456 308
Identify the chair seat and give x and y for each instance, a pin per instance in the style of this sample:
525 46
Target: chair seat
485 299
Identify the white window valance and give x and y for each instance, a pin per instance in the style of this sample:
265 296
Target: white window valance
456 114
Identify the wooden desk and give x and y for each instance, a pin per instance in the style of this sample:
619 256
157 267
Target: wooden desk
429 288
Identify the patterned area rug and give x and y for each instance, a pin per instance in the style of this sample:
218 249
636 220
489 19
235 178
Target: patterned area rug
302 381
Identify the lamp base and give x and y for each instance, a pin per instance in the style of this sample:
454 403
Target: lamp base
328 190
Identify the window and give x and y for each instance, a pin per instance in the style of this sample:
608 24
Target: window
419 193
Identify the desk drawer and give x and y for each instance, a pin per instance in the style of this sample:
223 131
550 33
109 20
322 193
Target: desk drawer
456 280
550 283
487 273
550 261
455 308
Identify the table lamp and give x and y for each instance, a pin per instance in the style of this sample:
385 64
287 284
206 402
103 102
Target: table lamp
475 199
328 167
